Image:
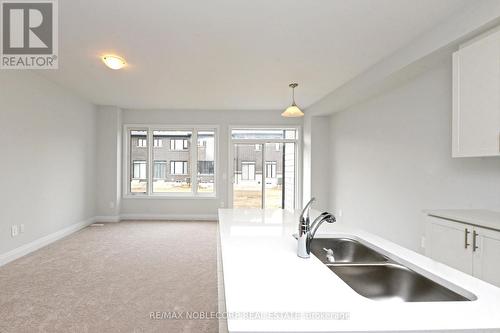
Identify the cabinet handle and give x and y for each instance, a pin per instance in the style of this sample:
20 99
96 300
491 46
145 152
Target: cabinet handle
467 232
474 241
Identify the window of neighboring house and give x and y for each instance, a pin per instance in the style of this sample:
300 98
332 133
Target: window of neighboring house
248 170
257 147
271 169
160 169
277 146
206 167
142 143
178 144
139 170
158 143
178 167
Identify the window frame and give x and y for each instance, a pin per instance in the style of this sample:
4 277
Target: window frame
192 163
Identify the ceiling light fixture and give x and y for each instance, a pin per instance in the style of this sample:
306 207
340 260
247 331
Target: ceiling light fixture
293 110
114 62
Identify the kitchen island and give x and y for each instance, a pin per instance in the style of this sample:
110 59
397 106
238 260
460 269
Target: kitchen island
265 287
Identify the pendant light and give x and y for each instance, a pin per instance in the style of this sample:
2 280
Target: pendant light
293 110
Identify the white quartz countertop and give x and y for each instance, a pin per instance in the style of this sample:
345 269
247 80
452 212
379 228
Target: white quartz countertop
264 280
480 217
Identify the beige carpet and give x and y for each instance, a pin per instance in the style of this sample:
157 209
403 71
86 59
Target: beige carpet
109 279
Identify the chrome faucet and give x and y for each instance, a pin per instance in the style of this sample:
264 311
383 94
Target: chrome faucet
308 230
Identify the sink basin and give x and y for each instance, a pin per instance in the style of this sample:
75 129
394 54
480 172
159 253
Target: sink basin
345 250
389 281
375 276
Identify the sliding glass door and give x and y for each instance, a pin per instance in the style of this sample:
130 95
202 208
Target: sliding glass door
264 168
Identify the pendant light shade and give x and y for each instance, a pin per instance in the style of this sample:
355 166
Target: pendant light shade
293 110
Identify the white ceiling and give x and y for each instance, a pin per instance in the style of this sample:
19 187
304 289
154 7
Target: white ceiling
230 54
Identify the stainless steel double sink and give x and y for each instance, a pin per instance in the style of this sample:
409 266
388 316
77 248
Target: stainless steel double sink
375 276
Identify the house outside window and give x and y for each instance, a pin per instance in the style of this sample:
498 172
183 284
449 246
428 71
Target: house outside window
142 143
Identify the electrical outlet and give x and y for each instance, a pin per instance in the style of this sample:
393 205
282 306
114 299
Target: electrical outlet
21 228
14 230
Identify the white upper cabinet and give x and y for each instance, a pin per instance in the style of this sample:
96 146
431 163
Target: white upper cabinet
476 98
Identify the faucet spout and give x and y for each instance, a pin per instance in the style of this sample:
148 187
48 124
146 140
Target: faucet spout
308 230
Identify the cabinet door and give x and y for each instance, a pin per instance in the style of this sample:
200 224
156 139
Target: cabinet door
476 98
487 255
450 243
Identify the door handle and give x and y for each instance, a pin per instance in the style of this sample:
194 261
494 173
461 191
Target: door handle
466 242
474 241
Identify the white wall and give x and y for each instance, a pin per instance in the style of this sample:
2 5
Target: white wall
316 150
108 187
47 154
391 158
203 208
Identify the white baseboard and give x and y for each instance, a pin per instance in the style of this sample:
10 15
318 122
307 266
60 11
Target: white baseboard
111 218
41 242
170 217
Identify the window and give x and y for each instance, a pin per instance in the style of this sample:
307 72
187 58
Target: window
206 167
138 157
178 161
277 146
178 167
158 143
271 169
248 170
142 143
178 144
257 147
139 168
206 162
177 179
160 170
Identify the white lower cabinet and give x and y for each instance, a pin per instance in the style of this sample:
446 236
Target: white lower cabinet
470 249
487 256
